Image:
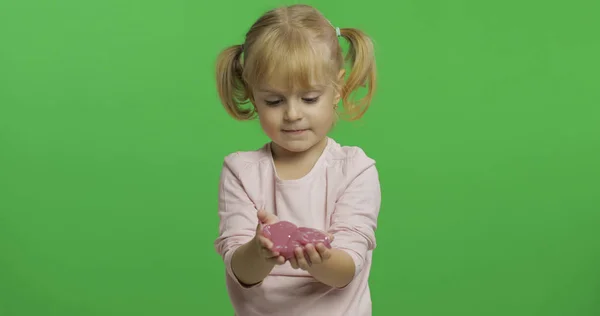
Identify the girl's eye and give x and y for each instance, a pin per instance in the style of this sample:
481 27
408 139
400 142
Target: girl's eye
271 103
311 100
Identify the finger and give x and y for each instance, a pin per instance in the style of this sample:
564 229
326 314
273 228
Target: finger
260 229
269 252
266 253
265 242
331 237
324 252
313 254
294 263
266 218
302 262
262 216
278 260
271 219
266 247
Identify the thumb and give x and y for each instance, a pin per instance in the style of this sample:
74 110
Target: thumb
262 216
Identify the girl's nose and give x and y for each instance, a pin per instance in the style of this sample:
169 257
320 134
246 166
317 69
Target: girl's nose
292 112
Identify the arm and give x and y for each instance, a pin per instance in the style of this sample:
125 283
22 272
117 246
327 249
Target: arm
353 225
248 266
237 228
337 271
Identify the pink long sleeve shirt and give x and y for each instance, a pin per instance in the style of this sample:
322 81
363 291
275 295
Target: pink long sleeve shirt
341 195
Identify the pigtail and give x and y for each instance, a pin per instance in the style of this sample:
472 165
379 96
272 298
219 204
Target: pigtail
361 57
230 84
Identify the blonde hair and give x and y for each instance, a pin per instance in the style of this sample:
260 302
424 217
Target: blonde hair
298 45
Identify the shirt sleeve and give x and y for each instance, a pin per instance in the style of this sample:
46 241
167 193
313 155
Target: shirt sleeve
354 219
237 215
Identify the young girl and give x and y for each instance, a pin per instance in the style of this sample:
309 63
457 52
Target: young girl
291 71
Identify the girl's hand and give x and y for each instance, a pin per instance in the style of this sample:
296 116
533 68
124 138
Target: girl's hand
263 244
311 255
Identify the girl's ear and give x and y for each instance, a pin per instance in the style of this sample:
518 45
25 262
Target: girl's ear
340 84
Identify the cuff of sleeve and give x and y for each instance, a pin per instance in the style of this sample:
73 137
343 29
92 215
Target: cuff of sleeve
230 275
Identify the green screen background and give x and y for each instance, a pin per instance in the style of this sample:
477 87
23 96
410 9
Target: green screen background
486 130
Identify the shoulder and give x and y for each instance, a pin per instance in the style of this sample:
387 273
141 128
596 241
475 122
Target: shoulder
243 160
352 160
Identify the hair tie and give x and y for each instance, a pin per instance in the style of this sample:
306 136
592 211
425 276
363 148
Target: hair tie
338 33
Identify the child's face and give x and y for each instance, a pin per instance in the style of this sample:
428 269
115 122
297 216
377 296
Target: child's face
296 119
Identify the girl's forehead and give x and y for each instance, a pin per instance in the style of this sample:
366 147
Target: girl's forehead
279 87
286 81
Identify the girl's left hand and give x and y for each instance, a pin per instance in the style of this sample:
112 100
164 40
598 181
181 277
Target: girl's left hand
309 256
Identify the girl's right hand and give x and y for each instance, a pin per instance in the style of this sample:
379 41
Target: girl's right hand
263 244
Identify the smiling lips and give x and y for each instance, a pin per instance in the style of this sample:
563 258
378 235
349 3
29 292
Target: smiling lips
294 131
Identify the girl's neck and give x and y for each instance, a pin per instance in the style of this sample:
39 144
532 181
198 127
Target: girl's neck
296 165
311 154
